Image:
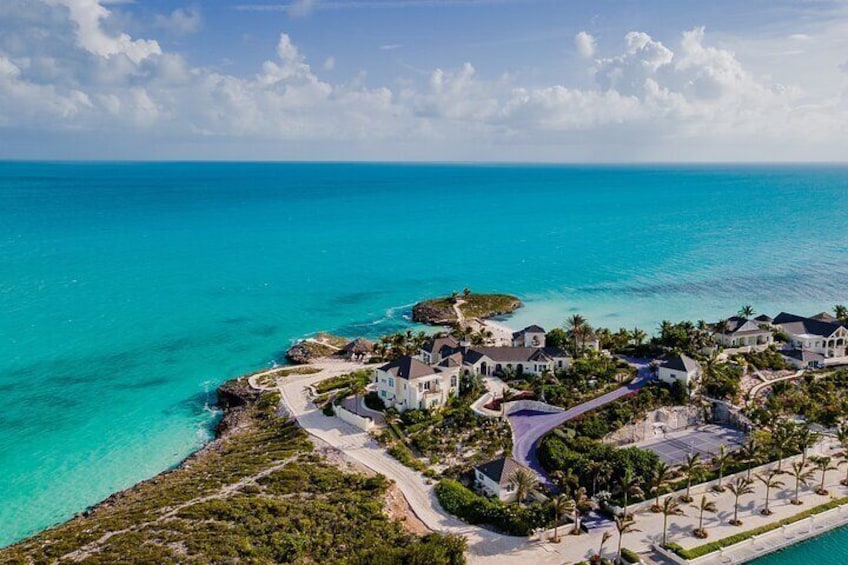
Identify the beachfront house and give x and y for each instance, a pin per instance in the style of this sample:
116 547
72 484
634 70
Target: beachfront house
410 383
495 478
742 332
438 348
531 336
518 360
682 369
819 336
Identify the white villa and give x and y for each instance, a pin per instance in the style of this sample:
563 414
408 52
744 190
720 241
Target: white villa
531 336
814 340
495 478
742 332
410 383
523 360
682 369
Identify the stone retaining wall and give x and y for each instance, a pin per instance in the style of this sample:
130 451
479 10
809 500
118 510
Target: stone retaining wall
667 419
534 405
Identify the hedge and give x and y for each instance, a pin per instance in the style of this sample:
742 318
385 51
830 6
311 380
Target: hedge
629 555
701 550
511 519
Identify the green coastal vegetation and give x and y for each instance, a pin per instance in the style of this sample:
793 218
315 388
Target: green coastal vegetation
258 494
440 311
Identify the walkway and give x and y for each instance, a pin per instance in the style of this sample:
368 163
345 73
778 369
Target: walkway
528 427
752 394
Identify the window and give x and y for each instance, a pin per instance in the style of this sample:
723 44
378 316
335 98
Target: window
383 393
453 380
391 382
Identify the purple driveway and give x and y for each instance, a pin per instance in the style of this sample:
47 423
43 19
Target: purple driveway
528 426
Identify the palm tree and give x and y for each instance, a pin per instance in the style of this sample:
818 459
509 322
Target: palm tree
751 453
659 481
600 471
561 505
841 313
579 328
692 469
770 480
638 336
805 438
822 464
721 459
740 487
781 438
624 525
604 539
669 507
565 480
630 485
580 503
706 505
524 482
802 475
747 311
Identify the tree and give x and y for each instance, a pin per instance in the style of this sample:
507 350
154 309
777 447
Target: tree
841 313
669 507
561 505
623 525
659 481
630 485
580 503
600 471
747 311
466 292
770 480
638 336
557 338
706 505
604 539
566 480
823 465
524 482
692 469
782 437
740 487
751 453
579 329
805 438
802 475
720 460
842 436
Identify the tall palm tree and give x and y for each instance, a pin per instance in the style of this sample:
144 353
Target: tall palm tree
692 469
841 312
803 475
580 504
525 482
623 525
823 465
770 480
805 438
561 505
566 480
638 336
630 485
669 507
604 539
706 505
747 311
720 460
600 472
751 453
782 437
659 481
578 328
740 487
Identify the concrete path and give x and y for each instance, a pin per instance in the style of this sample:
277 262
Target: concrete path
755 390
528 427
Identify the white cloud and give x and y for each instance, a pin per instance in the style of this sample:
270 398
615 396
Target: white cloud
329 64
182 21
682 99
585 44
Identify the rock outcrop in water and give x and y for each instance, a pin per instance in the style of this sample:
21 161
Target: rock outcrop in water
443 311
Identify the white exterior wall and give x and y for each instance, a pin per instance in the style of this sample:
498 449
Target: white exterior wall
831 346
670 376
530 339
404 395
492 488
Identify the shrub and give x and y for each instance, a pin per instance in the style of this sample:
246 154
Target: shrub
374 402
629 556
511 519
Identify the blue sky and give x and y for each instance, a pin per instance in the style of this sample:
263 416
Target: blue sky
526 80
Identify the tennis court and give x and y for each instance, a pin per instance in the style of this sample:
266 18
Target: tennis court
673 447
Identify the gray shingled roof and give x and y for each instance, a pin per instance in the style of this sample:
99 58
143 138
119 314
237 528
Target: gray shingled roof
682 363
503 354
500 470
803 355
799 325
439 345
408 368
534 329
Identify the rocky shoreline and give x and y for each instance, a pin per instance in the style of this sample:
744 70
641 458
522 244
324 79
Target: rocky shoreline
450 310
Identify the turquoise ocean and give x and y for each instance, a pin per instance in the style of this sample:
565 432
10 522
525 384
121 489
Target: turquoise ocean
128 291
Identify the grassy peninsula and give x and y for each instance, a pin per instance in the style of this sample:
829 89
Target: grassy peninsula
448 309
257 494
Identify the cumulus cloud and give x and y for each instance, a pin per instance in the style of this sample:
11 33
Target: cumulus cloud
182 21
652 100
585 44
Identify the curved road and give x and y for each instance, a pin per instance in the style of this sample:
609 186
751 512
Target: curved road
529 426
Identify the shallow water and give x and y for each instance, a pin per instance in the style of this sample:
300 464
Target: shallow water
129 291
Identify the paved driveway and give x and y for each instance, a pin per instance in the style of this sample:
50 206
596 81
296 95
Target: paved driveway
528 426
